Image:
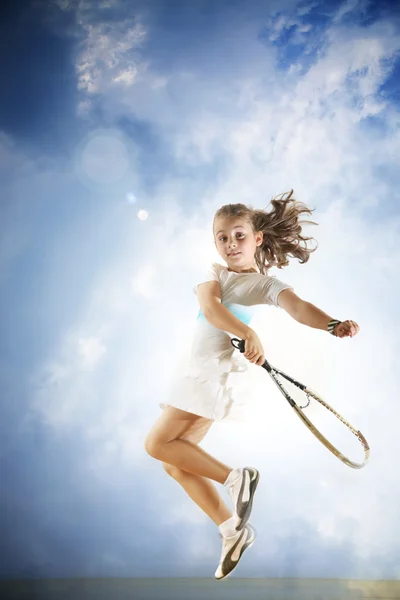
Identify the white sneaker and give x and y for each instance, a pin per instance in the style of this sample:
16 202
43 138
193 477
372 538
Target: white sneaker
242 493
232 550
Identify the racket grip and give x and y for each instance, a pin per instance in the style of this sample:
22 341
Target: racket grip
238 344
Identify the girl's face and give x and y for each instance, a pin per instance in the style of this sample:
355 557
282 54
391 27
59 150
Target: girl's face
236 242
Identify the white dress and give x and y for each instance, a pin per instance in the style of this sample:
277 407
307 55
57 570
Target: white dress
210 381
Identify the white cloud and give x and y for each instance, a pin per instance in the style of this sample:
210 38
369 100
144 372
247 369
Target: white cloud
305 10
107 55
143 282
91 350
126 77
65 5
83 6
348 7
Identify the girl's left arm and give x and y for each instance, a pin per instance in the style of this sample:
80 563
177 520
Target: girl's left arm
308 314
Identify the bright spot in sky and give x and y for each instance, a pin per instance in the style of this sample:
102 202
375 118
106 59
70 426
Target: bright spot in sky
105 157
142 215
131 198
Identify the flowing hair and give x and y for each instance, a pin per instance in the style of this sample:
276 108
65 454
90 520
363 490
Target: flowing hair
281 228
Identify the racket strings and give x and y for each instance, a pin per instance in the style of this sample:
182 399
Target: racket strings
319 414
308 401
334 412
293 388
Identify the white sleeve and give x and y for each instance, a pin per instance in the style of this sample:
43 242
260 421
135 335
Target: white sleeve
266 290
210 274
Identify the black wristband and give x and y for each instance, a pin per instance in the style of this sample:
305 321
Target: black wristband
331 326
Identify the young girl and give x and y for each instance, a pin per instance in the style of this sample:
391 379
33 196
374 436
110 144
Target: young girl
250 242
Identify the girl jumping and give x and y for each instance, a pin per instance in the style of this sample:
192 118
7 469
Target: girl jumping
250 242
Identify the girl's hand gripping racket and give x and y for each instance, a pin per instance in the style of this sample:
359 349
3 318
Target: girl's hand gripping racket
277 376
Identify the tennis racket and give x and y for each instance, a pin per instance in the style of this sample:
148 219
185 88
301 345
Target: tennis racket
276 376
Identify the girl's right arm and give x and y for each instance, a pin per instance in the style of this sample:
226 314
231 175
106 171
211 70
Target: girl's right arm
209 295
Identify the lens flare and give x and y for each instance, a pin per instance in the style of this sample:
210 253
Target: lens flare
142 215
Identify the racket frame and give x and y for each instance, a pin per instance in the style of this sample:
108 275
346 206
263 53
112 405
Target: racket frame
273 371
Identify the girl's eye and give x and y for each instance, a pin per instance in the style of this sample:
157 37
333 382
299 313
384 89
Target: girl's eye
223 238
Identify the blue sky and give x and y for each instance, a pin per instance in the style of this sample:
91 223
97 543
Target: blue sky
176 108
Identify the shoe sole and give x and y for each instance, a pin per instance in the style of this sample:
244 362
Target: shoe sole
247 544
244 514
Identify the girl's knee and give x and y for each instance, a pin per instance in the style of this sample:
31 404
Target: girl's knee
151 445
172 471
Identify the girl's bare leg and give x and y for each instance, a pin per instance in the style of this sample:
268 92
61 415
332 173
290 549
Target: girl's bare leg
201 490
165 443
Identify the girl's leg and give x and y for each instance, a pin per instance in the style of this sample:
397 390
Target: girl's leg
201 490
165 443
192 467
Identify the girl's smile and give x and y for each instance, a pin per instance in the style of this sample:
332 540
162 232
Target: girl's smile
236 242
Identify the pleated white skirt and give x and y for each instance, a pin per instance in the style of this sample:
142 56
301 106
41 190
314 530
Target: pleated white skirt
212 387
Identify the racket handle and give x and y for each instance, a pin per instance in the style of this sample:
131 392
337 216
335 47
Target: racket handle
238 344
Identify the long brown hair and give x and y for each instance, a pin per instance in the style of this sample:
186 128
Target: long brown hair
281 229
